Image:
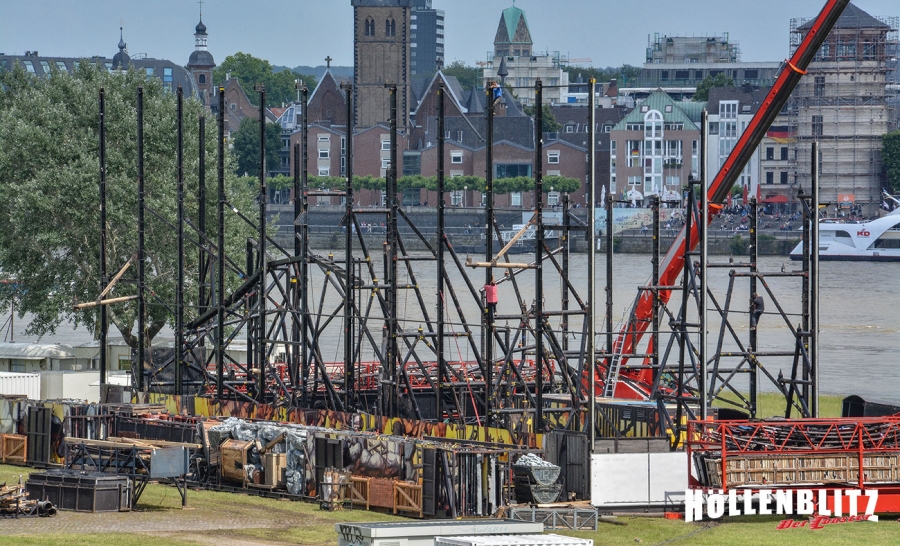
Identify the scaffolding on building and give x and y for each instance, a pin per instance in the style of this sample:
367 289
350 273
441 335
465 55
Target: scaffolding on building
844 102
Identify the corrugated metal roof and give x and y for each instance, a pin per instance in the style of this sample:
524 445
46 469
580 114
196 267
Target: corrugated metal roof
36 351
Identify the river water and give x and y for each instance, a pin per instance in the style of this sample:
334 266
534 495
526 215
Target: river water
859 314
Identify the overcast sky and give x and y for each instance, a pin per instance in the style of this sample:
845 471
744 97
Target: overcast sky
304 32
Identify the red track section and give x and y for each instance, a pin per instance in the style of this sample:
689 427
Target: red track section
673 263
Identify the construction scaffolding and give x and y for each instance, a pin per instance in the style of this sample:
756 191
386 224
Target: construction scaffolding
844 102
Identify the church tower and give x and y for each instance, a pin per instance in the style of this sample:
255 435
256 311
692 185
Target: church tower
381 55
201 64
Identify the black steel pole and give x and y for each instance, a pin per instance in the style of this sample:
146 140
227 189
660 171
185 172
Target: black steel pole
141 258
179 281
813 330
393 380
654 260
539 253
104 316
442 241
754 258
203 263
220 263
487 333
304 247
263 265
592 260
349 385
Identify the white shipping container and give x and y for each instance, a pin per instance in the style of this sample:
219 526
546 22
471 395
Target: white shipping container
513 540
16 383
58 385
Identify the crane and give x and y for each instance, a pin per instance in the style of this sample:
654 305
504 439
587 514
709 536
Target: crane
638 381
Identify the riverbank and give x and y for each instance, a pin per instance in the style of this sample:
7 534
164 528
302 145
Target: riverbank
464 227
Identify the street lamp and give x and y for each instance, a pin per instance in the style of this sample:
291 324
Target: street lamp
465 189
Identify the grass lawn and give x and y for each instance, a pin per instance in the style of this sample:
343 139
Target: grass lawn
772 405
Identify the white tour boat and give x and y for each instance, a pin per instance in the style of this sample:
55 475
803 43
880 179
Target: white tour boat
875 240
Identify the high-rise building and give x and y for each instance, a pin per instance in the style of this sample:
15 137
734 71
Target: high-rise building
381 57
426 39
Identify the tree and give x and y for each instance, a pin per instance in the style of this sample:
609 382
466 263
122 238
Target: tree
719 80
469 76
249 70
245 146
891 156
49 178
548 121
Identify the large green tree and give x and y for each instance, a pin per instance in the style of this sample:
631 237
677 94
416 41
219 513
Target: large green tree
548 120
469 76
890 154
49 182
245 145
250 71
719 80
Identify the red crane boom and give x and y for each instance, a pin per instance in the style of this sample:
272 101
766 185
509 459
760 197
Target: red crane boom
672 265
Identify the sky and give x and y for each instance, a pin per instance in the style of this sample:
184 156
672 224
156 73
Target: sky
303 32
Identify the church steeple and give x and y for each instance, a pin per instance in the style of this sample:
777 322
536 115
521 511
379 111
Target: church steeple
201 63
121 60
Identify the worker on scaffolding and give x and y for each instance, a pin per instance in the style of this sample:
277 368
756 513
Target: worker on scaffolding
757 306
496 94
490 298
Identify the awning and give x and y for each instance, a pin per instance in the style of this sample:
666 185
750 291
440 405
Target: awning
776 199
634 194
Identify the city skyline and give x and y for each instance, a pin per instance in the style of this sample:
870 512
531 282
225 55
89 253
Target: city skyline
608 34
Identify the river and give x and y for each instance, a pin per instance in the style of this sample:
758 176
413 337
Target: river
859 314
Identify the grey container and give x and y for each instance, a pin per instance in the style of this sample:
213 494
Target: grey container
542 475
81 491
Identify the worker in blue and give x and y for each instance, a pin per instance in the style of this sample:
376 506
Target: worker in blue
496 94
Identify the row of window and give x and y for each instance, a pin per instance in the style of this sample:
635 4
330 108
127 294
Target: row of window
390 27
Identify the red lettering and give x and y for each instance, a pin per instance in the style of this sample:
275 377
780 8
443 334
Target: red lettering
785 524
864 233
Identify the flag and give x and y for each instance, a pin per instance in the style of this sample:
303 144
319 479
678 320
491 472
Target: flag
730 201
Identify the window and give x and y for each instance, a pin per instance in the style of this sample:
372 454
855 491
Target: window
784 153
385 145
515 199
819 88
324 154
17 364
553 157
167 75
634 180
612 148
751 74
370 26
512 170
553 198
770 152
456 198
385 163
570 128
770 177
343 145
390 27
456 157
323 171
412 163
682 74
60 65
784 177
817 128
28 66
46 66
324 138
201 79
